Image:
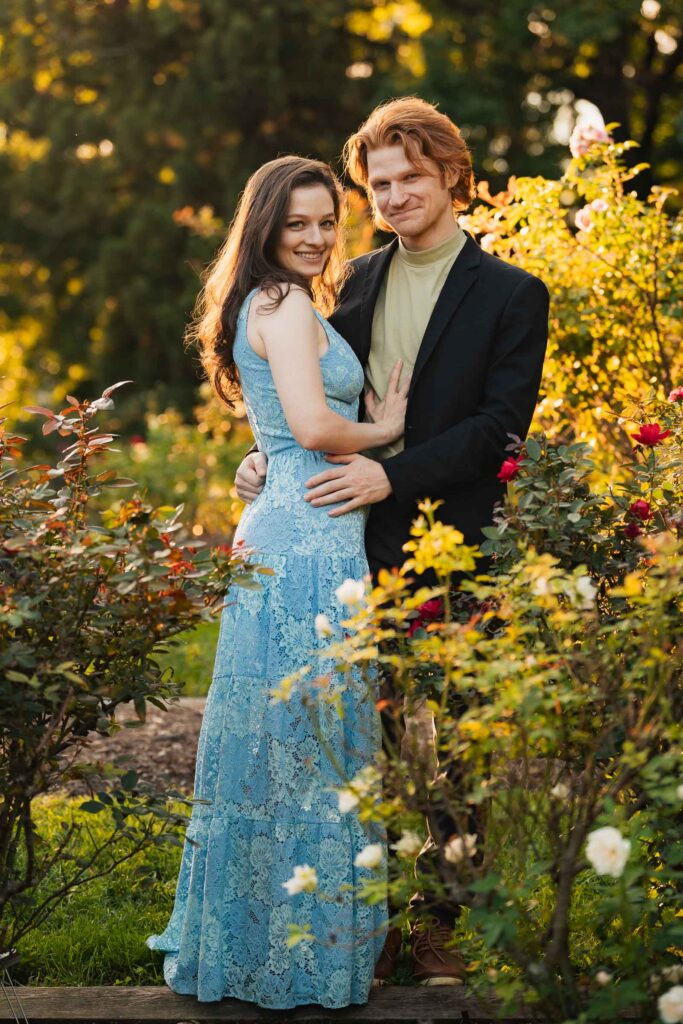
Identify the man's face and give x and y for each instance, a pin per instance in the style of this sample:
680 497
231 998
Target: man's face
412 200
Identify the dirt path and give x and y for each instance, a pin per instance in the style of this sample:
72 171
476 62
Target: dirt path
162 751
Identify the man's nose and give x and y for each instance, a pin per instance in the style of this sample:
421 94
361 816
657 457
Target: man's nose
397 195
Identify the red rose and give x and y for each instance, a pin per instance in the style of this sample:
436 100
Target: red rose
137 439
676 395
430 611
509 469
641 509
650 434
632 530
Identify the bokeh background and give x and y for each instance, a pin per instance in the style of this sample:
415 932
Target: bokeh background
128 129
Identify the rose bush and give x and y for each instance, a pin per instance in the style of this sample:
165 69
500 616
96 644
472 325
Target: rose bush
611 261
86 606
556 688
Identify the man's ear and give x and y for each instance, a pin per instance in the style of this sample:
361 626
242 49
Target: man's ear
451 179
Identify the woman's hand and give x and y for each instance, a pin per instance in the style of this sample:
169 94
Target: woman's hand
390 413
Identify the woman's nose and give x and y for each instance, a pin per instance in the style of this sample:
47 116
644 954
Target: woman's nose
314 236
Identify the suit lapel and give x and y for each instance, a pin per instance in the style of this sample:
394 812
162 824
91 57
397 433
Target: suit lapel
374 275
461 277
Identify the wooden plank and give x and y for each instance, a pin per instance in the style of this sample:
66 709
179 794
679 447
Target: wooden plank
158 1005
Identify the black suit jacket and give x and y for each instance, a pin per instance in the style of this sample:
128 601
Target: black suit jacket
476 380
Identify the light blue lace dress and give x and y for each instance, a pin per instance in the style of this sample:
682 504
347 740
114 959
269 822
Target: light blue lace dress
261 763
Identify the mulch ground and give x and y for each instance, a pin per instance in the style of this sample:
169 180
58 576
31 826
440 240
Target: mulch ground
163 750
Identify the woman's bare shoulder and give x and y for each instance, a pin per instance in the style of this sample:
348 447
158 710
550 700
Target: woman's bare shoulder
281 298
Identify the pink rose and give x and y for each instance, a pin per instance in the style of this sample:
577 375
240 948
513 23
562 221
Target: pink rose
599 205
584 136
676 395
583 219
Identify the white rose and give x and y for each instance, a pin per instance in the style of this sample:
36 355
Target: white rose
347 800
561 791
679 792
409 845
369 857
366 780
586 591
541 586
323 626
674 972
304 879
599 205
603 977
670 1005
607 851
350 592
459 847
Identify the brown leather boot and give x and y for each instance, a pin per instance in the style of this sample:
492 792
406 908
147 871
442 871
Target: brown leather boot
433 964
386 965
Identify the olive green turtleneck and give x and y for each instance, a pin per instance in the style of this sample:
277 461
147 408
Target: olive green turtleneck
404 305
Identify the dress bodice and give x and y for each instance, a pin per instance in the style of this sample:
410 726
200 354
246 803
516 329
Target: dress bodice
342 376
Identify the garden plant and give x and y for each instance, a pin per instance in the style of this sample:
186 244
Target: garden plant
88 603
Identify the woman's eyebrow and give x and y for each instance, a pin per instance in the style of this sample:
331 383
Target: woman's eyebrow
306 216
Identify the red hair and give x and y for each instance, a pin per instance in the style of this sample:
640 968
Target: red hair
424 133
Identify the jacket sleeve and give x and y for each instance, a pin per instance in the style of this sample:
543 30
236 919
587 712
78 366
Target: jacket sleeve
475 447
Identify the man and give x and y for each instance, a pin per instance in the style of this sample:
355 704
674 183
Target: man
473 331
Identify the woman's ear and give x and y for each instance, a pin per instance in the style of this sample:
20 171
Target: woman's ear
451 178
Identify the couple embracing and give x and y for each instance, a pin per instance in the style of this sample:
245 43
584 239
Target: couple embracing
368 386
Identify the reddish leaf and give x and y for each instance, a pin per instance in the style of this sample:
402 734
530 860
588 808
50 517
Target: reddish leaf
108 391
40 410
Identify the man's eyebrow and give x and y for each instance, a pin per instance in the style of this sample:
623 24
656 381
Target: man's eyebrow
378 179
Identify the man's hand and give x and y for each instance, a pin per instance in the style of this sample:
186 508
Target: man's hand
355 480
250 478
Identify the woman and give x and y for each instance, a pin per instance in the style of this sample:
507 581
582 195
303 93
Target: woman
268 767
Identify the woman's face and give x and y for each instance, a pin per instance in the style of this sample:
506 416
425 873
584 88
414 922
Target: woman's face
309 231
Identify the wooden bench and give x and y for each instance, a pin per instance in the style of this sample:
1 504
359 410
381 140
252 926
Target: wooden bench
131 1005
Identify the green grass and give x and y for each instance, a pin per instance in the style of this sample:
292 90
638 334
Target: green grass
97 935
192 660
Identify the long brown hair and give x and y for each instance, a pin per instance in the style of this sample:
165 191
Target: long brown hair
247 260
424 132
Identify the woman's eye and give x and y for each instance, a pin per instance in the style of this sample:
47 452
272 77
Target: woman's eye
295 224
328 224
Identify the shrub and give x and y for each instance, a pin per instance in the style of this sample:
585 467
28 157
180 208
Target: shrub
85 608
555 686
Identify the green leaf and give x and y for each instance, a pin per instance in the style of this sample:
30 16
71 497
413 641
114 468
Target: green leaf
91 806
533 449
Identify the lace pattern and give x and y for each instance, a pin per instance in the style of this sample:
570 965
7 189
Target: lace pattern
266 769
